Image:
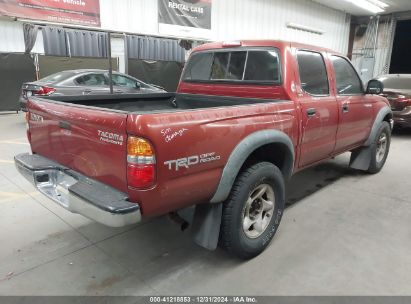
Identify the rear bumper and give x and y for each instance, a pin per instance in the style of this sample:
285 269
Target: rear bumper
78 193
402 118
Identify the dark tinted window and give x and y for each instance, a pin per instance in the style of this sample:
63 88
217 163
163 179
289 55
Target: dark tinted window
236 67
313 74
255 65
92 80
220 65
262 66
199 67
346 78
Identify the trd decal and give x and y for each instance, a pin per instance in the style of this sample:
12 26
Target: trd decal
36 117
187 162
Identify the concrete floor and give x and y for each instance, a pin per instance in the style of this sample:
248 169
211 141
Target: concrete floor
344 233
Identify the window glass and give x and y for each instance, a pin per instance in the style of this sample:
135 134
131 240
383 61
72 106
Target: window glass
236 67
346 78
57 77
262 66
313 74
92 80
120 80
255 65
199 67
220 65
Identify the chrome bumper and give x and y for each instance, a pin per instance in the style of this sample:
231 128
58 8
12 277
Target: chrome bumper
78 193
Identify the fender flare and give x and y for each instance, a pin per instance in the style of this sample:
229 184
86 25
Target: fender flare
376 125
243 150
361 158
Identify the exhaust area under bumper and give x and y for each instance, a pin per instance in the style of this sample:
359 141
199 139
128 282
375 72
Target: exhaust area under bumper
78 193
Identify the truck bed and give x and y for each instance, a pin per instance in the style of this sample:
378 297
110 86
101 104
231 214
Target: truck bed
89 134
156 102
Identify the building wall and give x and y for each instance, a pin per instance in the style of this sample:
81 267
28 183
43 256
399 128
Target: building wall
267 19
241 19
12 39
231 19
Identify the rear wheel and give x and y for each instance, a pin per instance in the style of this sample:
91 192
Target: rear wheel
380 148
253 211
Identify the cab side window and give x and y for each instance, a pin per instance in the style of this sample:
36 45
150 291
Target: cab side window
346 78
313 73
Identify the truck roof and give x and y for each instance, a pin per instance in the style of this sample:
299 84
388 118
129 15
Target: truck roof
259 43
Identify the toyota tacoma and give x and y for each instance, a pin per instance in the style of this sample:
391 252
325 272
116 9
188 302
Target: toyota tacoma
245 117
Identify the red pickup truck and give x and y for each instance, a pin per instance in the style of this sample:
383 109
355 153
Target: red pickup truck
246 116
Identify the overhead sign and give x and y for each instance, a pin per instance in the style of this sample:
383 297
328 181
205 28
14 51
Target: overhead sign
82 12
184 17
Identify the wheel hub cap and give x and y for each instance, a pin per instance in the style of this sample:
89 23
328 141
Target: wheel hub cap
381 147
258 210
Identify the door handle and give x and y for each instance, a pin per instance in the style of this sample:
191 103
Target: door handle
311 112
118 91
345 108
86 91
65 125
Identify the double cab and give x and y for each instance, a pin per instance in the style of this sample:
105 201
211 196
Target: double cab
245 117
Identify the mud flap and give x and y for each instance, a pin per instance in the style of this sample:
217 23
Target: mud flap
206 225
361 158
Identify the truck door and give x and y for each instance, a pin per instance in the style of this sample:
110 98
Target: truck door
318 106
356 108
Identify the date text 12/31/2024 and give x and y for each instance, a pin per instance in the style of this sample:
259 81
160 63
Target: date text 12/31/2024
203 299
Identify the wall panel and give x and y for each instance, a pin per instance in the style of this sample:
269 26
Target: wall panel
231 19
266 19
12 39
241 19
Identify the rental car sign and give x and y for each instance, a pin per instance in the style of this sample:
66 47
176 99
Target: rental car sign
82 12
185 18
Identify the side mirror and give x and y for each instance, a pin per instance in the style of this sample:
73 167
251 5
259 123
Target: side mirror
137 86
374 87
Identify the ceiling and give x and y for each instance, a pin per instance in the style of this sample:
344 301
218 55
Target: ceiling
394 6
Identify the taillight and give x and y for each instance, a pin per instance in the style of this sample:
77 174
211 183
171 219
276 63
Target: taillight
43 91
28 126
406 100
141 161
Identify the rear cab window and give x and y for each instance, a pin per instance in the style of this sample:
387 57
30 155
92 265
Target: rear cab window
242 66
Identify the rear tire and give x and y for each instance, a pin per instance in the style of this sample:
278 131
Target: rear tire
380 148
253 210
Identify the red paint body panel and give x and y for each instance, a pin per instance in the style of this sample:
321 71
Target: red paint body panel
209 132
80 147
216 130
